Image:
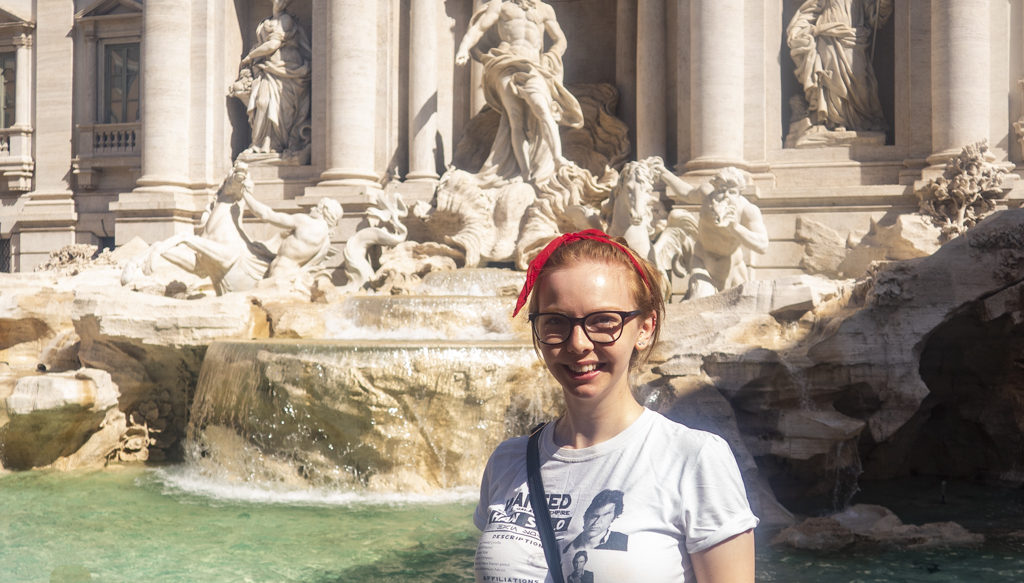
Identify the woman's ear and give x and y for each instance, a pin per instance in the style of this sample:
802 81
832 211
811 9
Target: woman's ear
646 331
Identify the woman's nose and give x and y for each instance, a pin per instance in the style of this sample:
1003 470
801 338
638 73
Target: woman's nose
578 341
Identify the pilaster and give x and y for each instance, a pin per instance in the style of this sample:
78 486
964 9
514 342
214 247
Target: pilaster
47 220
651 79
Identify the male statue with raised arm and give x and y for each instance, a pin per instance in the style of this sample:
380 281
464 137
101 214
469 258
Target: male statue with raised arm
727 224
306 237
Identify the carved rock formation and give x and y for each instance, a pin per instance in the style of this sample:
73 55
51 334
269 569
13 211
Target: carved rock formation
53 415
868 525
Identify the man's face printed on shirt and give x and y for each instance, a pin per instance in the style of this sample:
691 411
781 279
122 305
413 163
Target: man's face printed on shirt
598 523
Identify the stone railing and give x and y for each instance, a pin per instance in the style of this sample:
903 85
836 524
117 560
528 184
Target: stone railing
11 140
108 145
16 164
111 139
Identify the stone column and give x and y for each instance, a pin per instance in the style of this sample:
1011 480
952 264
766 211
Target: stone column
87 106
165 113
716 84
21 140
651 79
476 77
625 65
163 202
422 91
352 94
961 76
23 81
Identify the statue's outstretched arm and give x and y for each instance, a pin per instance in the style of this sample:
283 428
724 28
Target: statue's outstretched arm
266 48
680 190
264 212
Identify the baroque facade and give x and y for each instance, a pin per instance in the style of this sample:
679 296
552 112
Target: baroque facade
121 117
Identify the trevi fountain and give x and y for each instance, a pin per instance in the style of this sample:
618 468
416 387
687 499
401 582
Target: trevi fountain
306 387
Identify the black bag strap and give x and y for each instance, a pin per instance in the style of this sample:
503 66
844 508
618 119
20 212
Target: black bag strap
540 507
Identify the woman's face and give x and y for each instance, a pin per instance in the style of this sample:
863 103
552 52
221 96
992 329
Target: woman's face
585 370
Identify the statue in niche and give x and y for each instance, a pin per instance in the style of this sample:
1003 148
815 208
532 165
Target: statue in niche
832 45
219 248
384 228
302 246
966 192
709 249
274 82
523 82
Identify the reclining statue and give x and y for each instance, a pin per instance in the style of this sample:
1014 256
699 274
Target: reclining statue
219 248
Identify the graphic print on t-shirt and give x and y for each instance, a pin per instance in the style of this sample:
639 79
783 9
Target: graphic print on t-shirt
597 532
579 573
517 516
510 548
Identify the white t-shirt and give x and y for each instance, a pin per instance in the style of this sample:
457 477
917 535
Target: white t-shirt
662 491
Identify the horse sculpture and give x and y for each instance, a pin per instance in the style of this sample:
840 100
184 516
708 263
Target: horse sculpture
629 210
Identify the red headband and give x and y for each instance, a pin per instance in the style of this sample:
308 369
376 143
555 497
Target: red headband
533 272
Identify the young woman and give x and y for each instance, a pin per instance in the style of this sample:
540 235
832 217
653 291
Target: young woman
646 498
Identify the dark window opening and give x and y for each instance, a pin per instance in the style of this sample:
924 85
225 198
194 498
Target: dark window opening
121 84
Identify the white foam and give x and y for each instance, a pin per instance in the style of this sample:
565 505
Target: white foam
186 480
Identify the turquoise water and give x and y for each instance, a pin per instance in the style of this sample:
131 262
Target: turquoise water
135 524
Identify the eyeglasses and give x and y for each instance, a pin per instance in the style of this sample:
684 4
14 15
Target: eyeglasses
600 327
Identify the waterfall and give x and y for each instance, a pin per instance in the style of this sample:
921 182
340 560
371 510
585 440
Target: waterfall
848 470
377 415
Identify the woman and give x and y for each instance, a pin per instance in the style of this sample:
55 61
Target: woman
648 499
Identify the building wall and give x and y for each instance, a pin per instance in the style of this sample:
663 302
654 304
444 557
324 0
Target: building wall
76 194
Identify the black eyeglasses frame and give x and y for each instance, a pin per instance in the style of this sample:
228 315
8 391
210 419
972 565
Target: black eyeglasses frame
573 322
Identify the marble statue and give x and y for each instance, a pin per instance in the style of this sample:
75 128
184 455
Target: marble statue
523 82
481 222
487 219
629 211
305 241
832 45
274 83
219 248
726 226
384 228
966 192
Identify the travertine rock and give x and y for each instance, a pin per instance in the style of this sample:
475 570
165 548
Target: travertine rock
824 249
53 415
154 350
871 525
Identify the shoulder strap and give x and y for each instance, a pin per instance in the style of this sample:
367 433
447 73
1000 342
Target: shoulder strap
540 507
